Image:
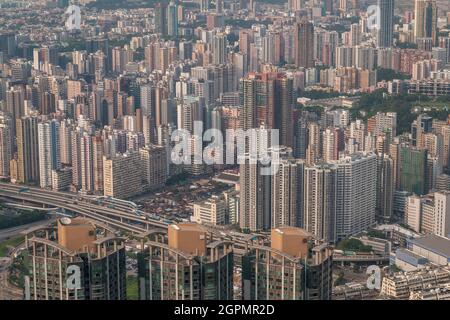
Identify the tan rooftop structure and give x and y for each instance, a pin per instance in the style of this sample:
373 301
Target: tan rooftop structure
76 234
189 238
290 240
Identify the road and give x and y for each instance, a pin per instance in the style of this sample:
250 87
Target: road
118 214
11 232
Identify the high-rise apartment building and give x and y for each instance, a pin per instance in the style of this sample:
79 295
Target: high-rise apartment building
303 43
314 150
385 123
161 18
287 194
413 170
154 166
219 48
255 193
442 213
27 149
49 151
385 32
6 144
211 211
295 266
15 105
74 262
172 19
320 199
122 175
184 263
356 193
425 25
267 99
385 188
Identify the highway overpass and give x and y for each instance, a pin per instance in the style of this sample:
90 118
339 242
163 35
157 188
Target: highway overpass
120 216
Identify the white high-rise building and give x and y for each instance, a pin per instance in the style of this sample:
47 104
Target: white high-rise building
442 213
356 193
287 194
219 48
146 99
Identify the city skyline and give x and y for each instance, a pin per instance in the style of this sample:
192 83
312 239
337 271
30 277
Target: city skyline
224 150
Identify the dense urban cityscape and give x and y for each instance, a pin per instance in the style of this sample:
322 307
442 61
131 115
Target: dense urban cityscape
225 150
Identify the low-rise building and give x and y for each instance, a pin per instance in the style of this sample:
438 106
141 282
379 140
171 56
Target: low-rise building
401 285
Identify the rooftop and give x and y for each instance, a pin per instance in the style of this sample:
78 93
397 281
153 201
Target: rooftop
437 244
229 178
292 231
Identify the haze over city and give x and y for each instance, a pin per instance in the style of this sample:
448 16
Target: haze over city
236 150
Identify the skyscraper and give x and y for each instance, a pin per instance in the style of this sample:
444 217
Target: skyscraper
71 262
386 28
27 149
267 99
287 194
385 188
313 151
320 196
184 263
5 144
172 19
15 105
295 266
356 196
413 168
425 25
255 192
219 48
122 175
303 42
154 166
161 18
65 140
49 151
442 213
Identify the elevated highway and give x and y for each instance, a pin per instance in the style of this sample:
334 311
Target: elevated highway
123 216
